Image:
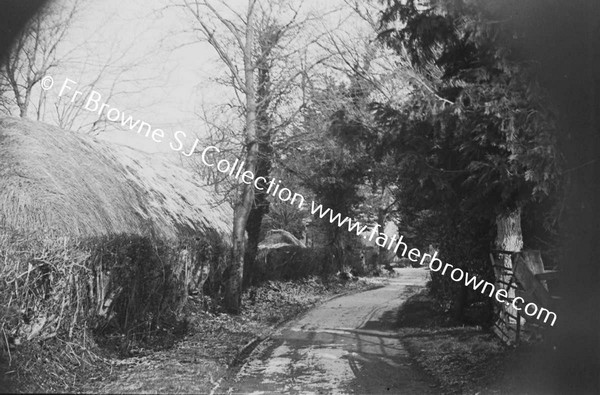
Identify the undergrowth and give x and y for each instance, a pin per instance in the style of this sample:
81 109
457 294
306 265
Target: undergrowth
467 359
66 304
275 301
69 307
216 341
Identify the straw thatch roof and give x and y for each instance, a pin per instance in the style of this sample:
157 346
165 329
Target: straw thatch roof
52 179
277 238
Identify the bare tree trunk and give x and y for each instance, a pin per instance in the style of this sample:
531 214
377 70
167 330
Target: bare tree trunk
267 40
24 105
509 237
233 291
383 251
259 209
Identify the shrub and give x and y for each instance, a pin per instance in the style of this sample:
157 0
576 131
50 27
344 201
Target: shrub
124 287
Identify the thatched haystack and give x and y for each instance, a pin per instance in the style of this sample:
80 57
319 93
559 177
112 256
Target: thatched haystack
95 236
55 180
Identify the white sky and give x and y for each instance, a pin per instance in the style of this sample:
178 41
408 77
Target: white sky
174 82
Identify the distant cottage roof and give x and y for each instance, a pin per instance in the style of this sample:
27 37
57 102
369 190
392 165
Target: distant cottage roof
277 238
56 180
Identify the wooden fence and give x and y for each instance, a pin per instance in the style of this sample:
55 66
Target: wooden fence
522 274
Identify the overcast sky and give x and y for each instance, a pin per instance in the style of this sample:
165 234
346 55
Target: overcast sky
171 80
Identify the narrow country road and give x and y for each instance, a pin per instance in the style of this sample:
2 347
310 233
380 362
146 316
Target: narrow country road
346 345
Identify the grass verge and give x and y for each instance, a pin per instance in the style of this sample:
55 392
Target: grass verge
469 360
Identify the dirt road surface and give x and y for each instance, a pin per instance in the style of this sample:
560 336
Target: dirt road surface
346 345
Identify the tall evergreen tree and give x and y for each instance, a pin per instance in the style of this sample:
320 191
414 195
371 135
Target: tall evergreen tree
477 138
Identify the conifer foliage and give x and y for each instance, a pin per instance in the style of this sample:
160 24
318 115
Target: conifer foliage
476 138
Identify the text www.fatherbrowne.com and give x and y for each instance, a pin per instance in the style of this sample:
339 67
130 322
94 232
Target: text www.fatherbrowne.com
273 188
93 103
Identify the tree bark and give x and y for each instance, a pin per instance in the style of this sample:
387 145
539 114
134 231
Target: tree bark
257 213
383 251
233 291
24 106
263 168
267 39
509 237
